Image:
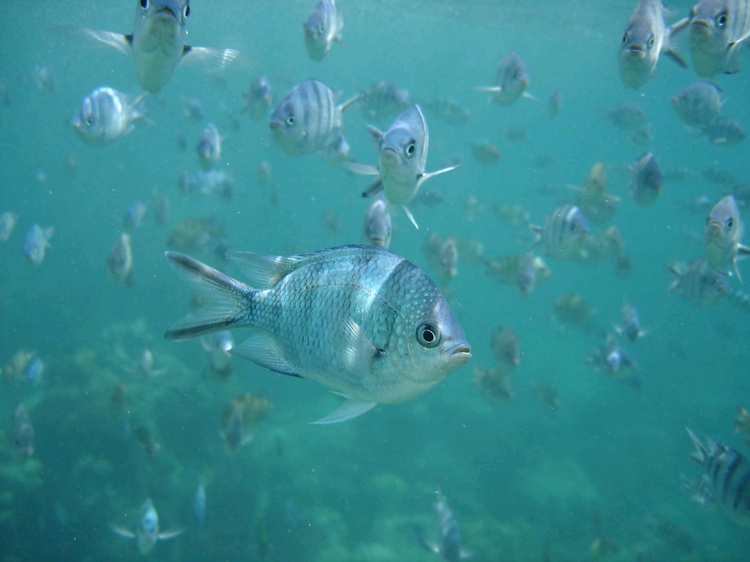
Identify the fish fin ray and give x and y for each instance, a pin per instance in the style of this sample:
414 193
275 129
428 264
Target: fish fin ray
117 41
213 57
423 177
701 453
529 96
342 107
264 271
349 409
678 27
359 352
263 349
410 216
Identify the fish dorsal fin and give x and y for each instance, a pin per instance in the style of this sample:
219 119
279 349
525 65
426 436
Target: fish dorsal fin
349 409
264 271
264 349
375 133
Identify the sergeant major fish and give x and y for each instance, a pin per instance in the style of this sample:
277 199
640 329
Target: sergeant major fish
106 115
258 97
358 319
209 147
563 233
723 131
631 323
698 283
719 29
322 27
448 545
511 81
645 38
402 160
377 227
147 532
722 235
36 243
647 179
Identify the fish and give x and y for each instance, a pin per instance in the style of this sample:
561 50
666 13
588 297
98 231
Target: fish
366 333
563 233
209 147
149 443
120 260
448 546
258 97
36 243
742 421
697 282
199 505
146 364
384 100
697 104
402 160
514 269
217 346
486 153
106 115
722 237
208 182
449 110
7 224
593 199
631 323
527 274
645 39
241 417
377 228
628 117
192 108
504 344
554 103
23 432
612 358
322 27
726 478
511 81
646 180
161 207
147 532
718 29
494 384
723 131
443 255
157 44
133 215
308 120
34 371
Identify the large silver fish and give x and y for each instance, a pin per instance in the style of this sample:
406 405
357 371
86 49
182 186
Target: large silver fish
106 115
645 39
147 532
322 27
358 319
718 31
511 81
722 235
402 159
157 44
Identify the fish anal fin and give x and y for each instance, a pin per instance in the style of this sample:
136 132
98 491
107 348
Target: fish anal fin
349 409
263 349
361 169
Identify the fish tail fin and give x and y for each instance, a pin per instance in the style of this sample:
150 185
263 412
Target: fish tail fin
227 299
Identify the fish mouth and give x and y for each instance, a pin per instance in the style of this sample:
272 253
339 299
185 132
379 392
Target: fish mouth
458 354
701 28
636 51
274 125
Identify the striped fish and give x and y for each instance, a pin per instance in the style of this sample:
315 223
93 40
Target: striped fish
563 233
722 235
698 283
718 31
726 480
308 120
322 27
449 543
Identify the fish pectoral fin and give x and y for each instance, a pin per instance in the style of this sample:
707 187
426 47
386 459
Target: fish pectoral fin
495 89
529 96
342 107
166 535
109 38
358 351
423 177
349 409
373 188
410 216
375 133
122 531
675 57
263 271
263 349
362 169
678 27
212 58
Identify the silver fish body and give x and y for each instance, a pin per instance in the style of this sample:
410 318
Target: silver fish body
377 227
133 215
646 181
698 283
258 98
322 27
631 323
120 260
448 545
23 432
106 115
199 505
358 319
612 358
564 232
209 147
722 237
698 103
36 243
147 532
7 224
719 29
511 80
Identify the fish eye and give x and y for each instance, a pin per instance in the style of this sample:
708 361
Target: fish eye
428 335
729 223
721 20
650 41
625 38
290 120
411 148
144 4
185 11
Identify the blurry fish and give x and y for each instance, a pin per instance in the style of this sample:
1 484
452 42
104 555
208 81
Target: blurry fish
722 236
725 479
448 546
146 364
647 179
473 208
697 282
117 398
199 234
192 108
199 505
7 224
742 421
384 100
487 154
209 147
34 371
504 344
106 115
23 432
563 233
264 173
449 110
611 358
133 216
512 214
161 207
258 98
699 103
526 279
554 103
308 120
723 131
645 39
494 384
43 79
157 44
511 81
626 116
147 532
208 182
443 255
471 250
372 345
510 269
15 371
120 260
377 228
572 308
147 441
546 394
631 323
717 175
718 31
516 135
322 27
593 199
403 157
36 243
217 347
241 417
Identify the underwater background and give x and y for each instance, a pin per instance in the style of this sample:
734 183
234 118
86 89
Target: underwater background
578 466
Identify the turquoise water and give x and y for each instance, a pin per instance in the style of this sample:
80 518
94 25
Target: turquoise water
525 483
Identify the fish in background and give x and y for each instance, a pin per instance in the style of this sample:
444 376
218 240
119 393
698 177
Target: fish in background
574 310
449 110
448 545
161 206
511 81
699 103
697 282
120 260
192 108
722 237
377 227
645 39
554 103
209 147
157 43
494 384
402 149
563 233
742 421
630 328
147 532
630 118
593 199
322 27
504 344
612 358
7 224
384 100
147 441
36 243
646 180
133 215
146 364
34 371
241 418
217 347
317 316
443 255
486 153
208 182
199 505
523 270
723 131
718 30
526 278
23 432
724 481
258 97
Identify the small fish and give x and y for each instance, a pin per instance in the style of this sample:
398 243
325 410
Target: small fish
526 278
34 371
443 255
322 27
554 103
120 260
719 29
208 182
43 79
384 100
546 394
698 283
631 323
217 347
146 364
573 309
486 153
36 243
448 545
504 344
258 98
563 233
192 108
593 199
494 384
364 334
157 44
106 115
628 116
647 179
209 147
149 443
723 131
308 120
509 269
450 110
377 228
645 39
147 532
726 478
512 214
612 358
199 505
7 224
698 104
402 151
722 236
511 81
742 421
133 215
23 432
